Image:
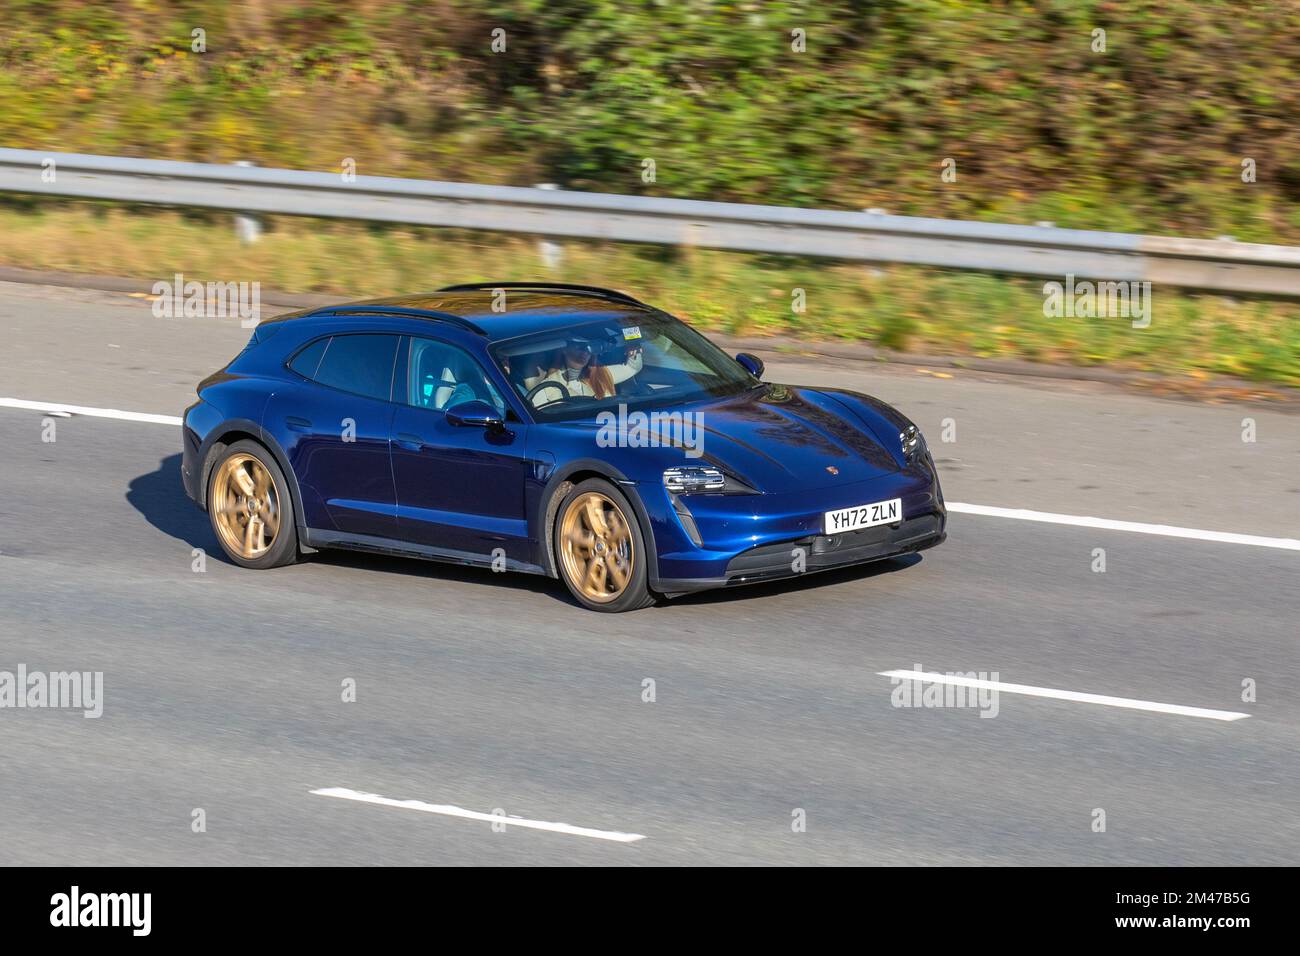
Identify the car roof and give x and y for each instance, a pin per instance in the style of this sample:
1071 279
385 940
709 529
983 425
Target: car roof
528 308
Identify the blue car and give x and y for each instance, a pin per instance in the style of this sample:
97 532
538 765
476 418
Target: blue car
552 429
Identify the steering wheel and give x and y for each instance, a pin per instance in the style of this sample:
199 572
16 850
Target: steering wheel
543 386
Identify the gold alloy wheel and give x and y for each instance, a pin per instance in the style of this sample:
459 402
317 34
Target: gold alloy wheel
596 547
245 506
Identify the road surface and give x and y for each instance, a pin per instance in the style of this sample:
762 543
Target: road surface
493 693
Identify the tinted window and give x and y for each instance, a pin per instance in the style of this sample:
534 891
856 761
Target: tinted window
306 361
359 363
443 375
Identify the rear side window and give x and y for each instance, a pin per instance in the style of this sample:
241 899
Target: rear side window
307 361
354 363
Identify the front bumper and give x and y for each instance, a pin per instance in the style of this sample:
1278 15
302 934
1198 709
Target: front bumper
744 539
792 559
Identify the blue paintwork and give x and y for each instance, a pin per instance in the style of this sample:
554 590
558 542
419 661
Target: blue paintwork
416 482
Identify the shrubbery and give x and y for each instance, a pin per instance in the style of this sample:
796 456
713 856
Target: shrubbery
1147 136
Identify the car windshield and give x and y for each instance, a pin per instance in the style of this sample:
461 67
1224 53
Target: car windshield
649 359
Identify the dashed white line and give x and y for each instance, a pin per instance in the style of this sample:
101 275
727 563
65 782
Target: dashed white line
117 413
1110 524
957 507
1127 702
449 811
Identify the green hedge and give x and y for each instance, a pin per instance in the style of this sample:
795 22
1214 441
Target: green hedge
1148 136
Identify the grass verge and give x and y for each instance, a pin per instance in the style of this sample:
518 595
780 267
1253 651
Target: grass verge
896 307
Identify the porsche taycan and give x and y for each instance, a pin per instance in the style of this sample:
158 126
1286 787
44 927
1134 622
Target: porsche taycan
550 429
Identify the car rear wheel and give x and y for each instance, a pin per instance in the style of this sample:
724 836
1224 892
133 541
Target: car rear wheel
250 508
600 548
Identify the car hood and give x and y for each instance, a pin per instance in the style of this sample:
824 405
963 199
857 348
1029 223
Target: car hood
781 438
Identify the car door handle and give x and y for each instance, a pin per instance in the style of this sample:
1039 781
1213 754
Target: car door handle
407 440
298 424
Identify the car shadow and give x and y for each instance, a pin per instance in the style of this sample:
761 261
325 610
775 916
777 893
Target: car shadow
444 571
807 582
160 497
161 500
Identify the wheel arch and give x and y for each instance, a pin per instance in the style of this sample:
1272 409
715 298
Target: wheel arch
237 430
571 473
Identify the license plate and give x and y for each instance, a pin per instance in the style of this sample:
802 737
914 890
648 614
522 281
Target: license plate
864 516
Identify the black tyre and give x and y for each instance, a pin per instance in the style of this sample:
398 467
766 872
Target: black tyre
600 550
250 507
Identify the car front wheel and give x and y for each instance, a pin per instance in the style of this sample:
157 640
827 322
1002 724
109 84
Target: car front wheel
600 548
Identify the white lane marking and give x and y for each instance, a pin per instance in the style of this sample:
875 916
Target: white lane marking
957 507
94 412
1109 524
1128 702
449 811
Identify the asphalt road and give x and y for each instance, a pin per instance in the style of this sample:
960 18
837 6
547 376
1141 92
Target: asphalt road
222 689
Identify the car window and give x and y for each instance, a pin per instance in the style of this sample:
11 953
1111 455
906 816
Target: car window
662 352
307 361
358 363
647 360
442 375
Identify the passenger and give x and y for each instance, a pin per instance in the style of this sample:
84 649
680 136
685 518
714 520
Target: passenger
573 368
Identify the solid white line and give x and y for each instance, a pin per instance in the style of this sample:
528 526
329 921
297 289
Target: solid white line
449 811
957 507
1109 524
94 412
1128 702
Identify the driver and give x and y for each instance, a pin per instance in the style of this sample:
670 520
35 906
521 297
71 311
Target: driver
573 369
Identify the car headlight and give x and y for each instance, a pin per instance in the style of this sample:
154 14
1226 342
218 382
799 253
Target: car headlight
694 479
913 443
704 480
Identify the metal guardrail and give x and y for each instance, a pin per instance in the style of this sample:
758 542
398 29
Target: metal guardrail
1221 265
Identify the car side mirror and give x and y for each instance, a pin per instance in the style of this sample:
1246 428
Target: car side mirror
475 413
751 364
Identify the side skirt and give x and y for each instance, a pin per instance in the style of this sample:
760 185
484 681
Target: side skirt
372 544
